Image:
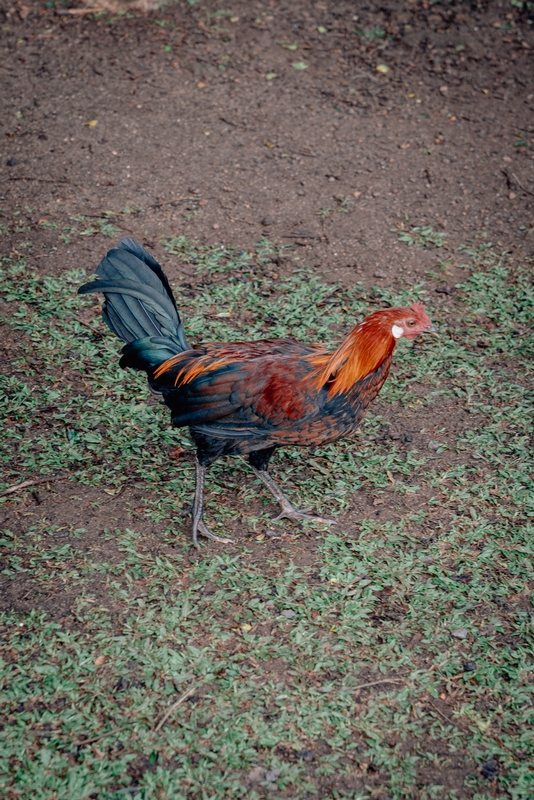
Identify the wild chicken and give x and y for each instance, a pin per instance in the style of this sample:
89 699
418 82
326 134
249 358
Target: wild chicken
246 398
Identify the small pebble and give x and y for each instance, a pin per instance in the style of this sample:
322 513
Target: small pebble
305 755
272 775
256 774
11 162
288 613
489 768
470 666
459 633
267 221
379 274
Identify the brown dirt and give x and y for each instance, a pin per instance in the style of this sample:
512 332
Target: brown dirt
200 130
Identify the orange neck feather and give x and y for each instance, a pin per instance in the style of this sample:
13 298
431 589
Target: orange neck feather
362 351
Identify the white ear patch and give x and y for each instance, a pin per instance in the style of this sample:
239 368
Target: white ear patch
397 331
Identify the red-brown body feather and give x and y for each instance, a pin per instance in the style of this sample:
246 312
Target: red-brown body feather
273 392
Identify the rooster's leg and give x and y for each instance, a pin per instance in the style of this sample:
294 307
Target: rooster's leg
199 526
288 510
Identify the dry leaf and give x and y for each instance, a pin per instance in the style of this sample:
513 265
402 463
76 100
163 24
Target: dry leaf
176 452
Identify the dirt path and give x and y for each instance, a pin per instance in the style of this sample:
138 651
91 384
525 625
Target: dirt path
198 117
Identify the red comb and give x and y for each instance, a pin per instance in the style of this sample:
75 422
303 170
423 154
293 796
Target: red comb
418 308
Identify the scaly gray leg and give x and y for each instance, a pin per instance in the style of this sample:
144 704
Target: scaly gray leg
288 510
199 526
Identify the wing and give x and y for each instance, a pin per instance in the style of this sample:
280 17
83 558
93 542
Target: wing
243 390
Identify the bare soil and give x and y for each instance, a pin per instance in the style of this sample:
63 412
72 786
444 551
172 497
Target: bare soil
188 124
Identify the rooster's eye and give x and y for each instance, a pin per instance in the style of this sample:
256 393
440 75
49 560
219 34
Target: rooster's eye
410 323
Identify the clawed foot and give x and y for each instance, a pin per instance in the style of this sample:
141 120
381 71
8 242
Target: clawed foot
289 512
203 529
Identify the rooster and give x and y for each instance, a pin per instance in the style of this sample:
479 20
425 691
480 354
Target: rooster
245 398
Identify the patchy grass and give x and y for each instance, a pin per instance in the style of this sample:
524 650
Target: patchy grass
422 237
395 661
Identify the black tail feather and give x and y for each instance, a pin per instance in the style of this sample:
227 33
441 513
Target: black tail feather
138 302
114 323
133 247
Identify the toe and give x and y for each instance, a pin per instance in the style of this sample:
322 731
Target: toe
205 531
300 516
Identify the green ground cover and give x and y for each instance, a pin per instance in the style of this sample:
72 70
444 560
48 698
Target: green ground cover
397 663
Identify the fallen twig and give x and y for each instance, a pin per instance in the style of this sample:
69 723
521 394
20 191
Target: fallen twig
375 683
88 325
244 221
82 742
41 180
79 11
30 482
114 496
176 200
445 717
173 708
516 179
513 176
363 74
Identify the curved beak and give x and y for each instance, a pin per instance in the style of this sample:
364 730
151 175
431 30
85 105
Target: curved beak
432 330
